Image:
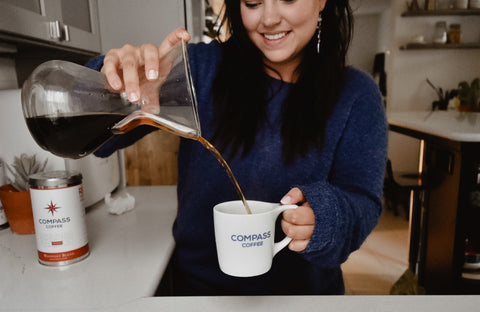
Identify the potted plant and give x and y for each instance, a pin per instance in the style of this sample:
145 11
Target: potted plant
443 97
15 196
468 95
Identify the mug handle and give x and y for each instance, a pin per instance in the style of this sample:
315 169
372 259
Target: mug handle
284 242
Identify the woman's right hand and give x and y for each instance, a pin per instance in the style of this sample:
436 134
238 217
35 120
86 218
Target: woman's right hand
139 71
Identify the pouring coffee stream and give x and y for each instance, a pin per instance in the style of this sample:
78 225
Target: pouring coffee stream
71 113
180 130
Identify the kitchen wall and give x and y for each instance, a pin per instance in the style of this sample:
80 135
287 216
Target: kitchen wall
133 22
363 48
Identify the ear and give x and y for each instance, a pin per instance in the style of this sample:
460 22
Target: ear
322 4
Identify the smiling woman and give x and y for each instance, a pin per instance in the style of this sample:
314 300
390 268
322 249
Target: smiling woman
280 30
278 101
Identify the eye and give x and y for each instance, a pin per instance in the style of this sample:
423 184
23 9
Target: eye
252 4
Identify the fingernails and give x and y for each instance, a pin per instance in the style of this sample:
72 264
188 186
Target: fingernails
133 97
152 74
116 84
286 200
185 35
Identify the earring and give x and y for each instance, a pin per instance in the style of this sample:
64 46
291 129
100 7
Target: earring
319 30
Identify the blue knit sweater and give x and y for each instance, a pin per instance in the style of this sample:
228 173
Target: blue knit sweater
342 182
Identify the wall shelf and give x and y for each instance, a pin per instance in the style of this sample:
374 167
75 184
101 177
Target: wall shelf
440 46
441 12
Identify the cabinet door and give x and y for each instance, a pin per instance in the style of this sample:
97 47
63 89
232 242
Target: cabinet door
27 18
71 23
444 167
80 21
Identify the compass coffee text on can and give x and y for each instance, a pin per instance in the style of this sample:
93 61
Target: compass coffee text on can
59 217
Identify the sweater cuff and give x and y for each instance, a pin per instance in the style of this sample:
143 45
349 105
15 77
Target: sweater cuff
325 206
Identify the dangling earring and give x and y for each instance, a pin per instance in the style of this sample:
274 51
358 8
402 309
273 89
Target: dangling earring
319 30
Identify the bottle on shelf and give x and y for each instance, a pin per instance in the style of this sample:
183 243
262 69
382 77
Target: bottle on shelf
454 34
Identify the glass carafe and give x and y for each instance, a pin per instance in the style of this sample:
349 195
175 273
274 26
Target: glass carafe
71 112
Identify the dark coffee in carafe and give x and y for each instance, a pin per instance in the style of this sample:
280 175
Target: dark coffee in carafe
73 136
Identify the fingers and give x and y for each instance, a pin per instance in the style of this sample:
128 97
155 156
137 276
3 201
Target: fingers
294 196
172 39
299 233
150 56
298 245
110 65
120 67
299 223
129 67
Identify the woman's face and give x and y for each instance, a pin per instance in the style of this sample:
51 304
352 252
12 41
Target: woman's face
281 29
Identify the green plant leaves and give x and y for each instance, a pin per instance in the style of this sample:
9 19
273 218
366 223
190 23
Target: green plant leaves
468 92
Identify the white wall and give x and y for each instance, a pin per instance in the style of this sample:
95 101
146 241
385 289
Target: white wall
366 41
138 22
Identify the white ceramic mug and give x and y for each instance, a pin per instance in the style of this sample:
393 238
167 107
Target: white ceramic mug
245 242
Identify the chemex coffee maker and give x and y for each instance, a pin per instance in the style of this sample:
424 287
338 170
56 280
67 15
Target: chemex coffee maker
71 112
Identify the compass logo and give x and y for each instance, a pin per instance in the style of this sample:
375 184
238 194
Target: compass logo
52 208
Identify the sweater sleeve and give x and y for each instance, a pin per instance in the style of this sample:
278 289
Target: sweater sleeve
348 205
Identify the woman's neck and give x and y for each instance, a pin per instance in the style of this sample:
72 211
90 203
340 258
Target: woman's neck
285 71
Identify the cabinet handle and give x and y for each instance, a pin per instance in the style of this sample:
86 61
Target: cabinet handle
55 32
66 33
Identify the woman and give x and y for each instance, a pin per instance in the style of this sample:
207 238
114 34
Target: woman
295 124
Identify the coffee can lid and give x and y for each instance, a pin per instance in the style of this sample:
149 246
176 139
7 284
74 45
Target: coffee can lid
55 179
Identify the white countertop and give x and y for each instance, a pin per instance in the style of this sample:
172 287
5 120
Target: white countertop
307 304
128 256
453 125
129 253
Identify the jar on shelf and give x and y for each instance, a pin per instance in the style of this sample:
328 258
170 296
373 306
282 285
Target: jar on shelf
440 34
454 34
461 4
444 4
474 4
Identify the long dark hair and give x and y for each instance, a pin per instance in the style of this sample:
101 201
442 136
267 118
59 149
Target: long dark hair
240 90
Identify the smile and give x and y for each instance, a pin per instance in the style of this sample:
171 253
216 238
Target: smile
276 36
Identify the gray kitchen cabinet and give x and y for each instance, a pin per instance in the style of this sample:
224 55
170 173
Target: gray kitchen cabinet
66 23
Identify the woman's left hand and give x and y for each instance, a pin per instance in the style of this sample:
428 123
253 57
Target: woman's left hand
298 223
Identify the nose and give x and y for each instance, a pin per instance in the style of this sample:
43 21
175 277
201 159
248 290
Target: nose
271 15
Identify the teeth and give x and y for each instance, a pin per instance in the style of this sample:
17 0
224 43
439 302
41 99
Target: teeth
275 37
